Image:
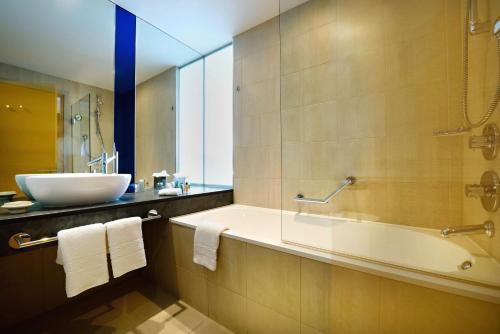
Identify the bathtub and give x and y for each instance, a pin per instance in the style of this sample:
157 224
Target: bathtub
410 254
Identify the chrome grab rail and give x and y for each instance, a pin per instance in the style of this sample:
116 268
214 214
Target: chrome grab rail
23 240
487 228
350 180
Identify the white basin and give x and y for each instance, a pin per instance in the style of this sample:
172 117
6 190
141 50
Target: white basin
21 183
56 190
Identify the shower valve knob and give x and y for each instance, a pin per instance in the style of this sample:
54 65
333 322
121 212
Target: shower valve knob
488 142
480 142
488 191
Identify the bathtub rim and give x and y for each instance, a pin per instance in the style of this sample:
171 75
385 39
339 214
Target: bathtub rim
455 285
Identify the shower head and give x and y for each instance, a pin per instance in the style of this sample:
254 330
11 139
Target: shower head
100 102
496 28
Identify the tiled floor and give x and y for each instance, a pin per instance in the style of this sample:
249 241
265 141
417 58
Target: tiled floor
137 308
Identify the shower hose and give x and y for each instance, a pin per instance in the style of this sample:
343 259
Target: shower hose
496 98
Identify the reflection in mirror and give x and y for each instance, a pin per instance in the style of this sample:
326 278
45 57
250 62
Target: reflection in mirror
56 59
158 58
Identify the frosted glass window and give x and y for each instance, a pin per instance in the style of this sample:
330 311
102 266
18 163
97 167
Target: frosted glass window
219 117
190 122
205 151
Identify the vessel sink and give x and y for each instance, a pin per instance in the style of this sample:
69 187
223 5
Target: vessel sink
69 189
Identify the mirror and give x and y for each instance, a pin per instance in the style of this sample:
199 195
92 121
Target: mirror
158 58
56 85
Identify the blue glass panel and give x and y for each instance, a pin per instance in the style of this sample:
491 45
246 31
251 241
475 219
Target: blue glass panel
124 123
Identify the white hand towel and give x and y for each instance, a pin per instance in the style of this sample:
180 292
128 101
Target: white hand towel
82 253
169 192
126 247
206 243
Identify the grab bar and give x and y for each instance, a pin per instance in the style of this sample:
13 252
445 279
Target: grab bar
350 180
23 240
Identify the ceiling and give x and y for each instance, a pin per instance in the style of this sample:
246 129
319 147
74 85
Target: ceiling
70 39
74 39
206 25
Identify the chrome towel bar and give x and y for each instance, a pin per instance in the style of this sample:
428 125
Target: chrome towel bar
23 240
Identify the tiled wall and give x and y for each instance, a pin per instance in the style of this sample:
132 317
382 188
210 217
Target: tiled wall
156 125
484 65
257 153
259 290
364 84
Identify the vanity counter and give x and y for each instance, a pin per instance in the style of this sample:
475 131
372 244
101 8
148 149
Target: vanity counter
46 222
128 199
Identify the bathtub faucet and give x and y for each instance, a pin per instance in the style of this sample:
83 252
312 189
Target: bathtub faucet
487 228
350 180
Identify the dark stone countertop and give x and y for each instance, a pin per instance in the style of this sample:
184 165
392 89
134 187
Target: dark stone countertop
129 199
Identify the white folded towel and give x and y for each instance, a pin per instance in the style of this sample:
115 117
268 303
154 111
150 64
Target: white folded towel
206 243
82 253
126 247
169 192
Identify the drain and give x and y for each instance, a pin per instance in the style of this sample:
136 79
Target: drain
466 265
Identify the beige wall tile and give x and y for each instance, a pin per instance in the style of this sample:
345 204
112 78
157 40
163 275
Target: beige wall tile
227 308
183 238
231 266
354 302
314 294
193 289
304 329
408 308
319 83
265 320
273 280
156 118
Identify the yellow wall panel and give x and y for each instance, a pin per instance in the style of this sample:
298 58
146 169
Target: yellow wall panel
28 134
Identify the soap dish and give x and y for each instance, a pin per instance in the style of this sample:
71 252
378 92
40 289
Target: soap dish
6 196
17 207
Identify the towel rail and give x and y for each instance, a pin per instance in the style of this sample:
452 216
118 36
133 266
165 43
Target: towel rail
23 240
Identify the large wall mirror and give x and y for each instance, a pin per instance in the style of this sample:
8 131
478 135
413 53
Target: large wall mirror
59 107
56 85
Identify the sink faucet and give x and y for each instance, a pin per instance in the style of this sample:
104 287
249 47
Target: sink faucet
104 160
487 228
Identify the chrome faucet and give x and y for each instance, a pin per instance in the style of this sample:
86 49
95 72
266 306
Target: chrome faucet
104 160
350 180
487 228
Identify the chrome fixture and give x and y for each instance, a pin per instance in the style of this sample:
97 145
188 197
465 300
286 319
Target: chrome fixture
350 180
488 190
104 160
487 228
451 132
76 118
466 265
23 240
99 104
488 142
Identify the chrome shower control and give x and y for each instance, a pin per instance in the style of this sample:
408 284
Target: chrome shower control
488 142
488 190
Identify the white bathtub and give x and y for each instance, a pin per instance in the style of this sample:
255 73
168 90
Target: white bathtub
416 255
